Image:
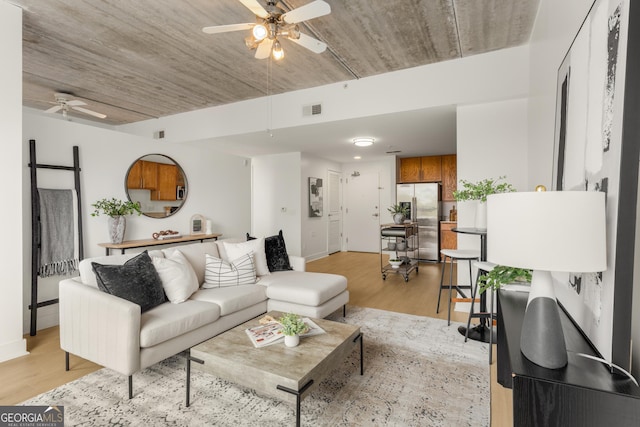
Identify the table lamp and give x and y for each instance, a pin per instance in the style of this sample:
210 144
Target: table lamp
562 231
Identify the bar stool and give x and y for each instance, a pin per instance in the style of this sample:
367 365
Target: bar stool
455 255
483 268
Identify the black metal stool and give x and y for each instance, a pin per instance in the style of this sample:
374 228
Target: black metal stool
455 255
483 268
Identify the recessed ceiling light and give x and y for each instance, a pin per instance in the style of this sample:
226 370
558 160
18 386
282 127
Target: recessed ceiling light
363 142
357 157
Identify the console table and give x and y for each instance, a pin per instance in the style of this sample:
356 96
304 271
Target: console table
131 244
583 393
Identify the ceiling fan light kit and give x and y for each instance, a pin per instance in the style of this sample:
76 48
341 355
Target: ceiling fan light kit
363 141
274 22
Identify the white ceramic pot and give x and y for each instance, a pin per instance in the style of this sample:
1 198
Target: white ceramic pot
291 340
481 216
117 227
398 218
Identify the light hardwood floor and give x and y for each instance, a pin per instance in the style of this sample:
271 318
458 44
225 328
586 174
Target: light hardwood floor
43 368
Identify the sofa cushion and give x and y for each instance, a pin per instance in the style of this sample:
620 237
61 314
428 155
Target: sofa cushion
168 321
219 273
136 280
232 299
195 254
276 252
88 276
179 280
303 287
254 247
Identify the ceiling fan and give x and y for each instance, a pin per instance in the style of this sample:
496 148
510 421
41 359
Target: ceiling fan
273 24
64 103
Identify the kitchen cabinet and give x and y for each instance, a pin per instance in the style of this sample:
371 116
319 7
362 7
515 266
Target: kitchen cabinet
420 169
448 238
143 175
449 177
167 182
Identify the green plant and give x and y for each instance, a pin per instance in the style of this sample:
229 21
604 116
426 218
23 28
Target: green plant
115 207
402 209
481 189
503 275
292 324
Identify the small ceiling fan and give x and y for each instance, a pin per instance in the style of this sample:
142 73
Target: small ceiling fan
64 103
273 24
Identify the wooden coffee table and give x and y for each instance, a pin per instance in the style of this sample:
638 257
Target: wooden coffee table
277 371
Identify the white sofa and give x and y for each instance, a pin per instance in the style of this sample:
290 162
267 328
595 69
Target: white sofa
113 332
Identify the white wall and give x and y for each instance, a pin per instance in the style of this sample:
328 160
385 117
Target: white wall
493 76
314 231
276 198
219 187
11 304
492 142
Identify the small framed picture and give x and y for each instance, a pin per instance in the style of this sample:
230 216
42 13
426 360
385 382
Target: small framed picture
197 224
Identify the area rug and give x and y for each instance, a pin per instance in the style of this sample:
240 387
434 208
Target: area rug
417 372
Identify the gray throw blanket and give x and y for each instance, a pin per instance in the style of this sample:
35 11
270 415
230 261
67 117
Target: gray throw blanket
58 232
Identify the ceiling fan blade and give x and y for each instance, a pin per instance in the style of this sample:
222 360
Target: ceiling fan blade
314 45
255 7
264 49
308 11
89 112
75 103
54 109
227 28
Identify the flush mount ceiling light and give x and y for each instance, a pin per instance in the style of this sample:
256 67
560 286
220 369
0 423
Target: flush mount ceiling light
363 142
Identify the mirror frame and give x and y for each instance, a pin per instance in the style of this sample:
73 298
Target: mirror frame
184 175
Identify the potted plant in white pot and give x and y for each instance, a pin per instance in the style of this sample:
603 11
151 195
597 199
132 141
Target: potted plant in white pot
292 327
479 191
398 212
116 210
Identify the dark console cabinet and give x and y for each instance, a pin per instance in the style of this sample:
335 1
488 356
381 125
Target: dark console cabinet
584 393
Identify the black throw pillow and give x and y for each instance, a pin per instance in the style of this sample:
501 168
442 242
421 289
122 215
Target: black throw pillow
276 252
136 280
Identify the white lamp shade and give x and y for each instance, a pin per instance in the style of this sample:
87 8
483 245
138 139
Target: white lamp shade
551 231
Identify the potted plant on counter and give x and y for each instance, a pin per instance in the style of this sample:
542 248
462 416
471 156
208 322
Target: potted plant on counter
479 191
292 327
116 210
503 275
399 213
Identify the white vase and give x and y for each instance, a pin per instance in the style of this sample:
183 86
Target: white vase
291 340
398 218
481 216
117 227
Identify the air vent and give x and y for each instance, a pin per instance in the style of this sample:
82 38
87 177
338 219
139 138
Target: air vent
158 134
312 110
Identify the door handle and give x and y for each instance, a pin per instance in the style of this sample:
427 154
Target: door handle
376 215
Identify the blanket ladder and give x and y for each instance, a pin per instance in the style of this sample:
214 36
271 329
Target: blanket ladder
35 225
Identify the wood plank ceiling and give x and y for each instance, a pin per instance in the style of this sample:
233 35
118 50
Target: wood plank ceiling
135 60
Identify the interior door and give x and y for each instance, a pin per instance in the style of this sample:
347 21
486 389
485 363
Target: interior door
334 234
363 213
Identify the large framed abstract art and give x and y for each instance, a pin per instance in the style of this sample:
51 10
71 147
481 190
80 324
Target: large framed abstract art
596 149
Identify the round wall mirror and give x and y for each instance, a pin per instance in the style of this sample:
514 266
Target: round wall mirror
158 183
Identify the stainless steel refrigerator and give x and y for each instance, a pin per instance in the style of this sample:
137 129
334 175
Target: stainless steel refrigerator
424 206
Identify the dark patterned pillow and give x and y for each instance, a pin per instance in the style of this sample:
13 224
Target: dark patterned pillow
276 251
136 280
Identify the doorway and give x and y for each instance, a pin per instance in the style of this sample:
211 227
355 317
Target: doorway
363 212
334 235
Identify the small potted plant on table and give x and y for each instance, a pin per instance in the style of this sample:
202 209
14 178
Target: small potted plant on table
479 191
292 327
399 213
116 210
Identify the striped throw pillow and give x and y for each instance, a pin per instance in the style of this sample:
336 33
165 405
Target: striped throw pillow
219 273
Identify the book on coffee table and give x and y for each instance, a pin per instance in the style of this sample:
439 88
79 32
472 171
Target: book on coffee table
271 332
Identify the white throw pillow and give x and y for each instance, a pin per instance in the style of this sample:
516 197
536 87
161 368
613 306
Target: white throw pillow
255 247
178 278
219 273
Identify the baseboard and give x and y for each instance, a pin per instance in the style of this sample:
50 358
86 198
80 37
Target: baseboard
316 257
13 349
